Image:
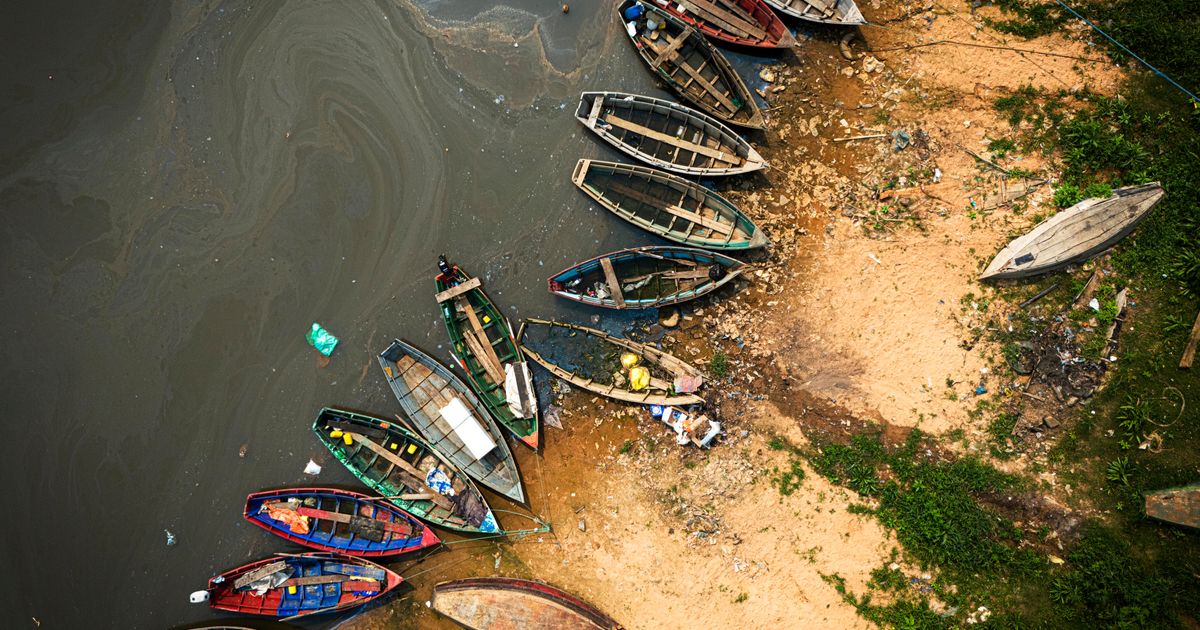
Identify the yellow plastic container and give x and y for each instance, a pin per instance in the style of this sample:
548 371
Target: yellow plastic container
291 590
412 448
347 440
629 360
335 434
639 378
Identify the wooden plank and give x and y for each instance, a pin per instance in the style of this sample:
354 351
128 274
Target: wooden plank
496 371
416 477
493 371
614 284
259 573
617 121
724 19
597 105
721 97
457 290
671 51
1189 353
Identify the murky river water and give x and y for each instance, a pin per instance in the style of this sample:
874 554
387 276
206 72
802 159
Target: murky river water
185 187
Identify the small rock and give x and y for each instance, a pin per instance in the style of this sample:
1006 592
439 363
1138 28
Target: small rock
1050 423
582 526
668 317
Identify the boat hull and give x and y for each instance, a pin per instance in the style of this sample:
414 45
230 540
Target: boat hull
667 275
499 602
309 599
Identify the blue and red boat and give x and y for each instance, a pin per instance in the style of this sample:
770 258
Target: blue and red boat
338 520
285 585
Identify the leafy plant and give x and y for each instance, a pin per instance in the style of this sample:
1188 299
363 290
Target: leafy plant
719 365
1118 471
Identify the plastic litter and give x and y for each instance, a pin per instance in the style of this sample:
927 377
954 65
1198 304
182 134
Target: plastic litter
1094 304
170 537
900 139
639 378
198 597
320 339
313 468
439 482
629 360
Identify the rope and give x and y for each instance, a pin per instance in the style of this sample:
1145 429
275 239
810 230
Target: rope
1195 99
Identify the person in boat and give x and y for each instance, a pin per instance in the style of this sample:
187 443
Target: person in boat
448 273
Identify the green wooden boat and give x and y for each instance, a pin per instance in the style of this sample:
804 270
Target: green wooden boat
669 206
396 463
482 342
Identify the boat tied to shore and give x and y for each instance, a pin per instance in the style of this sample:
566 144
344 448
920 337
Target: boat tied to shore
287 586
836 12
667 135
481 339
487 603
672 207
689 65
598 359
646 277
750 23
404 468
1075 234
451 418
339 521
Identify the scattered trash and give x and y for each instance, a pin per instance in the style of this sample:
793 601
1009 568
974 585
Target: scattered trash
170 537
320 339
767 75
197 597
439 482
937 175
553 417
313 468
980 390
900 139
1094 304
242 450
582 526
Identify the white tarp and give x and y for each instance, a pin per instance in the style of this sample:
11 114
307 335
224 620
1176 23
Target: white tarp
467 428
518 390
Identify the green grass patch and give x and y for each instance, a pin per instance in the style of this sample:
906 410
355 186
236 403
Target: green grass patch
719 364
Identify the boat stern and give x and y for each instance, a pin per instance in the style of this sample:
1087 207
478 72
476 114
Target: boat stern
758 239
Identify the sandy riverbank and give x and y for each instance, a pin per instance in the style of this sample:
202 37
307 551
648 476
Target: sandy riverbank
857 314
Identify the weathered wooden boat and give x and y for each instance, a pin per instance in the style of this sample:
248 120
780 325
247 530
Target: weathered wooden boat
842 12
690 65
289 586
667 135
489 603
671 207
451 418
1180 506
338 520
645 277
683 378
749 23
482 341
406 469
1075 234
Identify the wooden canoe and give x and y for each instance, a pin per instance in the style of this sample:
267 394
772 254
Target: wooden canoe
843 12
672 207
660 391
1075 234
492 603
749 23
692 67
396 463
1180 506
424 388
310 584
645 277
341 521
482 342
667 135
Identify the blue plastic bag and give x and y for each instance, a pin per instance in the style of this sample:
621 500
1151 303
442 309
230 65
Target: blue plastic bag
320 339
